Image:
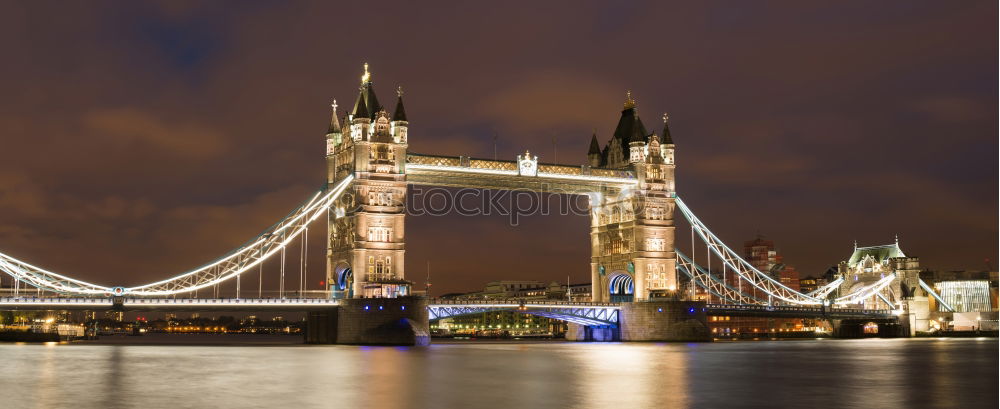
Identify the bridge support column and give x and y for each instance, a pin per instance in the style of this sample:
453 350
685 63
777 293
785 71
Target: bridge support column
371 321
886 328
577 332
664 321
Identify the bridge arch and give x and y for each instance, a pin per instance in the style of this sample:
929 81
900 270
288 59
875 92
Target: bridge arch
621 287
343 287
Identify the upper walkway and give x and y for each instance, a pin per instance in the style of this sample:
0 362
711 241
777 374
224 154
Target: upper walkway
467 172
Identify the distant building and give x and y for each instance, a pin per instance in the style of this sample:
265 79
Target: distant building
810 284
511 323
967 295
963 290
762 254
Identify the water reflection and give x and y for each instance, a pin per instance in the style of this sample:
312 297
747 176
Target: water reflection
911 373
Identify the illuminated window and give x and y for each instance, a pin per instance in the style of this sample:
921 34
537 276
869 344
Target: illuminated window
654 213
616 246
656 244
382 234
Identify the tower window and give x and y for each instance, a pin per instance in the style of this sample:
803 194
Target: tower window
382 234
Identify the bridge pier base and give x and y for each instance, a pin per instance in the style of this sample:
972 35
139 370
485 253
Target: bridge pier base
683 321
886 328
578 332
371 321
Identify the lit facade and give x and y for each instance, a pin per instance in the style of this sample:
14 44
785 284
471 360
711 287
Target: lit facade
632 232
365 246
967 295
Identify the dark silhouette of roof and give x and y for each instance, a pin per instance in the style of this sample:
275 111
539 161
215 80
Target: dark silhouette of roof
367 104
667 139
399 114
334 122
595 147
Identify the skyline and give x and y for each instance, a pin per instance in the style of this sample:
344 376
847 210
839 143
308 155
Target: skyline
140 158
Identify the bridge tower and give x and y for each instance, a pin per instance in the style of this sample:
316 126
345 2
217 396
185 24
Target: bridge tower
366 228
868 265
632 232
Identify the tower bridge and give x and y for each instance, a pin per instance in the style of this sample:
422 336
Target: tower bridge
643 287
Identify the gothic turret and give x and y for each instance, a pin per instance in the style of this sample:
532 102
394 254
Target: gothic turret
399 122
594 154
367 104
365 108
333 135
637 146
668 141
629 128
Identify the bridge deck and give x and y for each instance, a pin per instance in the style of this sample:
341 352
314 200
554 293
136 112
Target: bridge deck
461 171
167 304
589 311
765 311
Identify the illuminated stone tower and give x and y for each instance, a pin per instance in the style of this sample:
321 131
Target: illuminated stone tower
366 227
632 232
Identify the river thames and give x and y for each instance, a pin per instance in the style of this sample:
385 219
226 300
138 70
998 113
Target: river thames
868 373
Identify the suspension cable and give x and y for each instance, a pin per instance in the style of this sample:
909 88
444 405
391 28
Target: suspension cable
708 258
692 260
305 261
302 260
281 284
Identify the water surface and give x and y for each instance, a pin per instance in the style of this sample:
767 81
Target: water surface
870 373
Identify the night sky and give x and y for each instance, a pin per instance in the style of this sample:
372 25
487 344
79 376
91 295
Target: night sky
138 141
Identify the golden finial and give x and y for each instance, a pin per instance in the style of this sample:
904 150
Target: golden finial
334 105
367 75
399 90
629 102
665 117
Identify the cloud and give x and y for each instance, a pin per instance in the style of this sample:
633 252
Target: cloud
134 127
550 100
951 109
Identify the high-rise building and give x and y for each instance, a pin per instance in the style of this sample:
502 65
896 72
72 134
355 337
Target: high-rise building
762 254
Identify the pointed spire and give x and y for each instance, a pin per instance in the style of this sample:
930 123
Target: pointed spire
334 122
360 107
638 135
595 147
629 102
366 77
367 104
399 114
667 139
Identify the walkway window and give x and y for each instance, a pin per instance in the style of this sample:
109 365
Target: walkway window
382 234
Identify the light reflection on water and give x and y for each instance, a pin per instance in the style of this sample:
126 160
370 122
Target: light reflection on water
890 373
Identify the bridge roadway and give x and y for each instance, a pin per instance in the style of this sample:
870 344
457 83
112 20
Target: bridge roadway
585 313
165 304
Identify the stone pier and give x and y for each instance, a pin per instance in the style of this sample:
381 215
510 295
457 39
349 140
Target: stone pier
371 321
681 321
887 328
